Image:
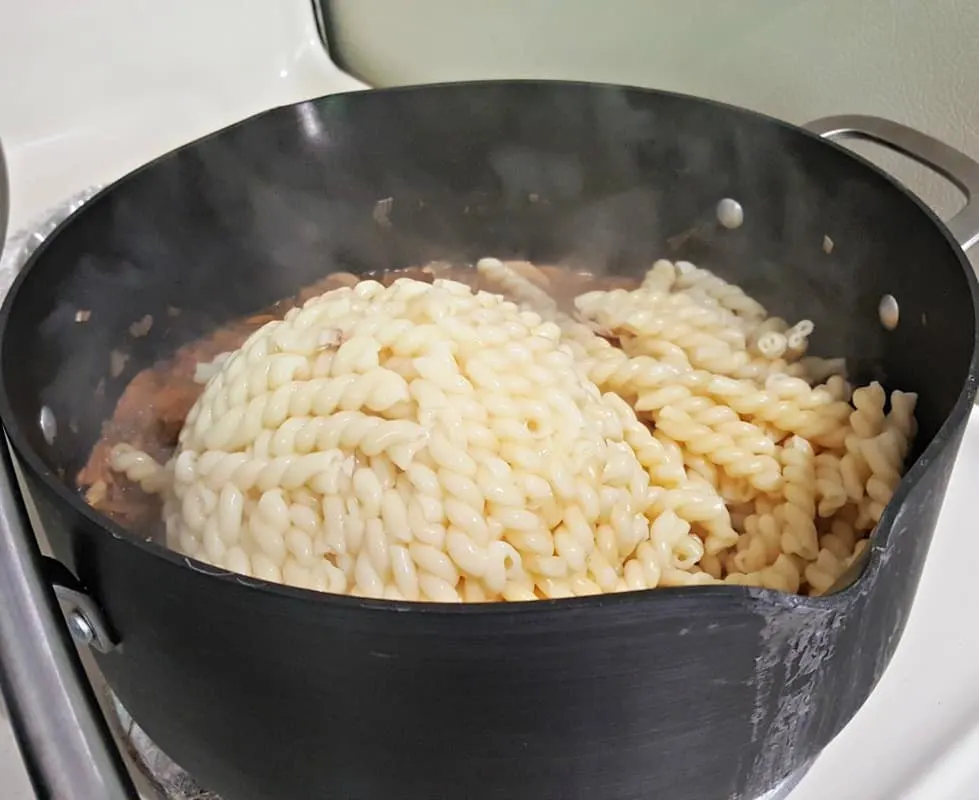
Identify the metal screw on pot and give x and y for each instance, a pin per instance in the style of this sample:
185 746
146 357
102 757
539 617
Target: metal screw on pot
80 628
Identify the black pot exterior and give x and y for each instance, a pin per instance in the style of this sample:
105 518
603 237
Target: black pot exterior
694 694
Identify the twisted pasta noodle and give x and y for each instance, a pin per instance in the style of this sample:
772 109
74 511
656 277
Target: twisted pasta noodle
831 486
788 404
797 337
867 419
664 464
768 343
841 540
139 467
884 454
824 571
736 490
664 351
702 468
760 544
672 328
838 387
531 272
759 369
517 286
782 576
854 469
877 449
751 555
679 577
797 513
762 471
722 420
612 370
705 411
729 296
647 314
660 277
816 370
700 506
859 548
901 416
580 338
673 543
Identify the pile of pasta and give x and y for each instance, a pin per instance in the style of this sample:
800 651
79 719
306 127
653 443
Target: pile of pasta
425 441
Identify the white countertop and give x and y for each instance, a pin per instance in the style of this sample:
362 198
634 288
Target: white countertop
104 86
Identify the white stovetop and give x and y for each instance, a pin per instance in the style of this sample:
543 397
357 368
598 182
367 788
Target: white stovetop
94 89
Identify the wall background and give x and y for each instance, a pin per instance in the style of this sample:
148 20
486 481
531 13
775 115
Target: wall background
916 62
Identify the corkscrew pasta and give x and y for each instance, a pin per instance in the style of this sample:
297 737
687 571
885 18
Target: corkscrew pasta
433 441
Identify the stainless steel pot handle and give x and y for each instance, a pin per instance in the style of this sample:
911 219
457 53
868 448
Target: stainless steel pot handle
63 738
944 159
948 162
4 200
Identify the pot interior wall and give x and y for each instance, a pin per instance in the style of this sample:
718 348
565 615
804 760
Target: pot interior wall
595 177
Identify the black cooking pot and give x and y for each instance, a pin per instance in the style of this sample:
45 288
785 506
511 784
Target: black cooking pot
264 691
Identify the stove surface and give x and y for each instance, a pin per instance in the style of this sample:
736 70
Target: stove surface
106 86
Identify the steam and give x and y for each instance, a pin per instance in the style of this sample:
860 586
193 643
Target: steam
600 178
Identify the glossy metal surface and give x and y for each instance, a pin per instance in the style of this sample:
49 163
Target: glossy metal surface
4 198
62 734
948 162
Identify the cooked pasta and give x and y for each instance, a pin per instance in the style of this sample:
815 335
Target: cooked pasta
433 441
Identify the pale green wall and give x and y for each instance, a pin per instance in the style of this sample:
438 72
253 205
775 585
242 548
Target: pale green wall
913 60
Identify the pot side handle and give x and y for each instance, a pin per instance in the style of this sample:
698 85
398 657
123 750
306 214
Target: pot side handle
944 159
952 164
63 738
4 200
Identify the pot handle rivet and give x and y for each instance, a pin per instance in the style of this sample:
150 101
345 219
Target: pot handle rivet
86 623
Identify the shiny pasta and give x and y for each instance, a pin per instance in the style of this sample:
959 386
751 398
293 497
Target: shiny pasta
425 441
